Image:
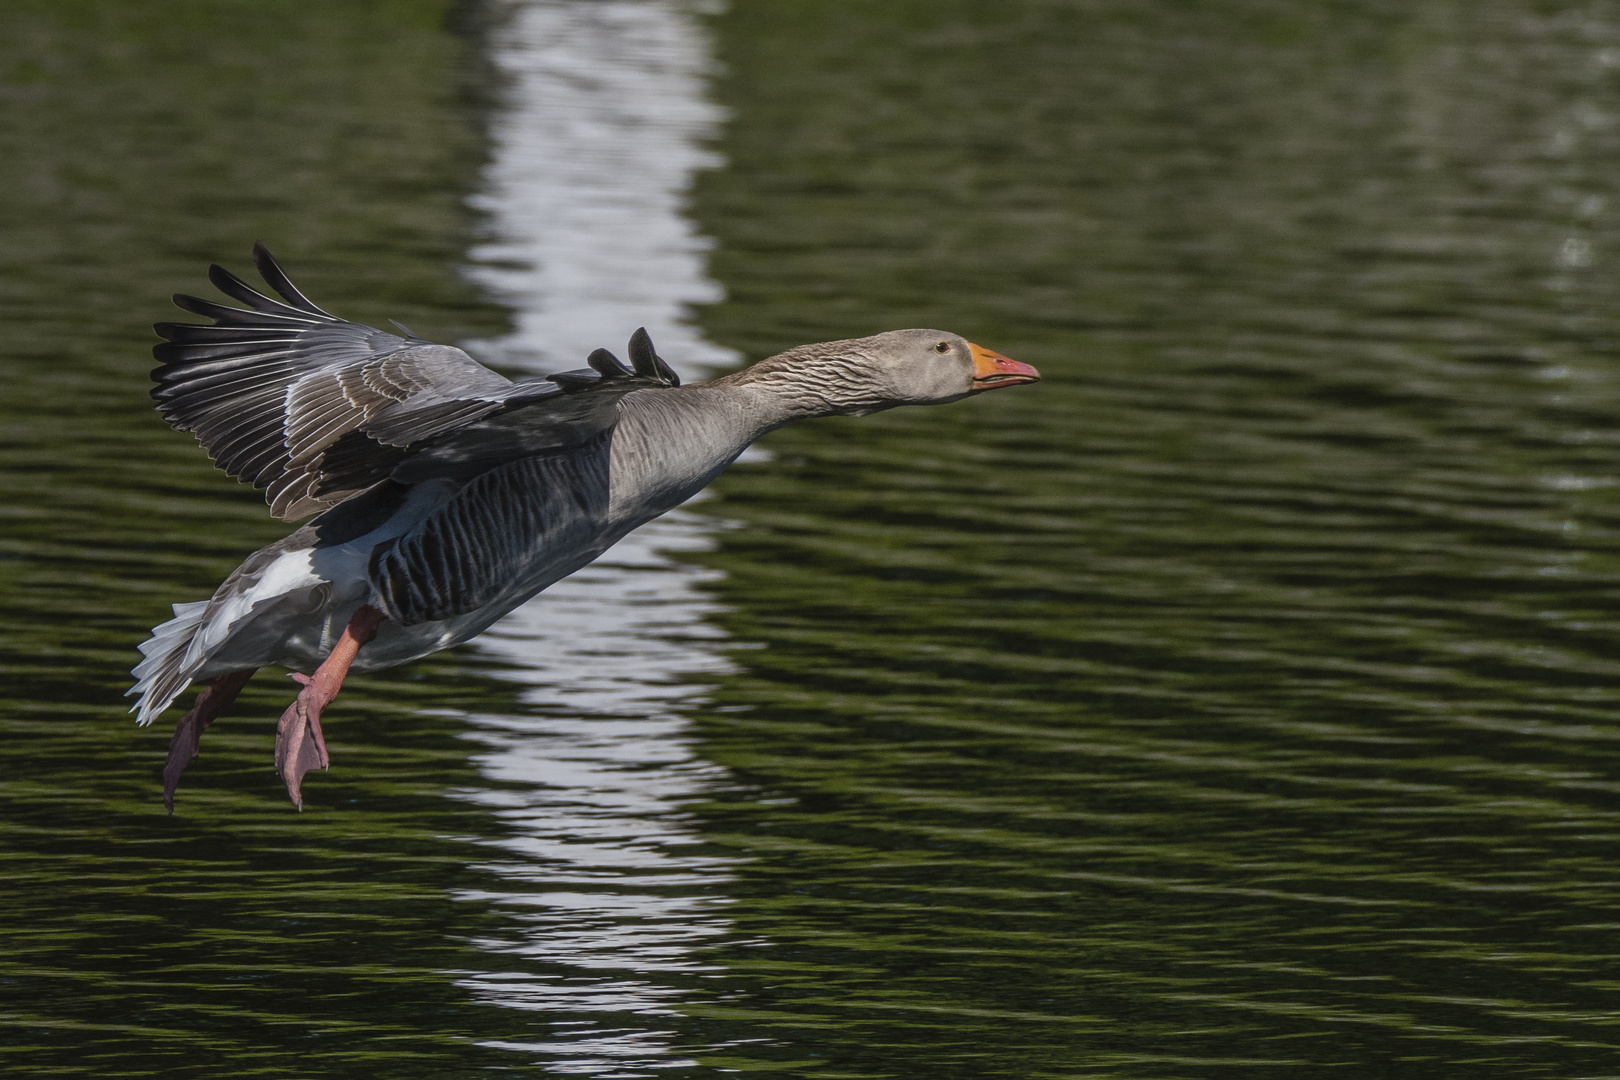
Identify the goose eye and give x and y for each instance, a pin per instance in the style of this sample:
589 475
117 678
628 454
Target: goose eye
943 347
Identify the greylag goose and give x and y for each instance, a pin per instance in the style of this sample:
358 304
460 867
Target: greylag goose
447 494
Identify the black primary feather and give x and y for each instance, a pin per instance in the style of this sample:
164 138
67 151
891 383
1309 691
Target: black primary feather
609 365
277 279
645 359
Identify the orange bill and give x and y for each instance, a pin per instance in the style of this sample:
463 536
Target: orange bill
991 370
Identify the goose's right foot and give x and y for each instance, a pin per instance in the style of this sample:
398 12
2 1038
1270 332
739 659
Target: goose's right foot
300 744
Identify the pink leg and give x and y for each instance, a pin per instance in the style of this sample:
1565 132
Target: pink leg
188 733
300 746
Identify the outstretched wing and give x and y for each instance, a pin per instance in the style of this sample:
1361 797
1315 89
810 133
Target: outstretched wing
314 408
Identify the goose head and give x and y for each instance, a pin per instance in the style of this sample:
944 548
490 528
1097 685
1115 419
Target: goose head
902 367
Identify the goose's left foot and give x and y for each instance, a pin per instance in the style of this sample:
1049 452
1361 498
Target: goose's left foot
188 733
300 745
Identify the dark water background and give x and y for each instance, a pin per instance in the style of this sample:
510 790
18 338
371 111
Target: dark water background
1237 702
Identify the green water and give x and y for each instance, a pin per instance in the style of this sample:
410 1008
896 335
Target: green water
1239 701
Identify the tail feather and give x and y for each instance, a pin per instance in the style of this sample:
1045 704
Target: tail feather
164 673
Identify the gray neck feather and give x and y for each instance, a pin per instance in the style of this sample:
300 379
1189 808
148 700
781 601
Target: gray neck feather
670 443
811 380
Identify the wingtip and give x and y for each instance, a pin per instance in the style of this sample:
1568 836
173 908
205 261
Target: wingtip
610 366
266 263
646 360
277 279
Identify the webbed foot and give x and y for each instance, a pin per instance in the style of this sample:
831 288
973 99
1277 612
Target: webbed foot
187 741
300 744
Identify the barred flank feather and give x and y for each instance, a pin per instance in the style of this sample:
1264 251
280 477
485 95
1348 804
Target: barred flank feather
496 530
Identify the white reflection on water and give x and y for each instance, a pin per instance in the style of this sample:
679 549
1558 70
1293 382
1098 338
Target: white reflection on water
604 124
596 145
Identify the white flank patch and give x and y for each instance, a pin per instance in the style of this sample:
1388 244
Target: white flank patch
290 572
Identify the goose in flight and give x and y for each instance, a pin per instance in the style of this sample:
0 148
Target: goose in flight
445 494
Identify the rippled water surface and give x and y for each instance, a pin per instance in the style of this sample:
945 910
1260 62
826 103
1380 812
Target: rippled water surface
1239 701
